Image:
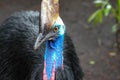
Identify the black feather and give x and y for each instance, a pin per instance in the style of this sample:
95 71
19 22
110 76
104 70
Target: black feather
18 59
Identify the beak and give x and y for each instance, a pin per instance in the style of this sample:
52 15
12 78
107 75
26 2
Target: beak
39 41
41 38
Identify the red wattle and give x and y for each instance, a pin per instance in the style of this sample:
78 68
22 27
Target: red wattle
45 74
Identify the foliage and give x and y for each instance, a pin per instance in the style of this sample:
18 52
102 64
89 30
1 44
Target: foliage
105 8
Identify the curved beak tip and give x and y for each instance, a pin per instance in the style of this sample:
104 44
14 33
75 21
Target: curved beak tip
35 48
38 41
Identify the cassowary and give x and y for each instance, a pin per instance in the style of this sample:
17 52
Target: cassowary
30 51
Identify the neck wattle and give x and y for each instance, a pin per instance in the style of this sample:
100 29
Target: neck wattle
53 57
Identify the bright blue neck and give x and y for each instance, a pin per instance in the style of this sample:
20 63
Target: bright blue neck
54 54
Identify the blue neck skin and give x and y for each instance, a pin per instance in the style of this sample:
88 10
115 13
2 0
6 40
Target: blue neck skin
54 54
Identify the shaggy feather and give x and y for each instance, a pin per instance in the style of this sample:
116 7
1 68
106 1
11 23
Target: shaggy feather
18 59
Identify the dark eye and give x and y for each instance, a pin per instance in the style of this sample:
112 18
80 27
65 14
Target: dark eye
56 29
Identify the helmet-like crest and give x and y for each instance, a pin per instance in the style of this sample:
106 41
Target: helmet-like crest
49 13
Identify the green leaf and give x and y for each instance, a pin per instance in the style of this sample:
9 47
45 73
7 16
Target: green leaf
114 28
100 16
98 5
107 9
94 15
118 4
101 3
98 1
118 10
116 15
114 11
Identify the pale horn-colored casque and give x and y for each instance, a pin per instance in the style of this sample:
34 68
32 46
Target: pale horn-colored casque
49 13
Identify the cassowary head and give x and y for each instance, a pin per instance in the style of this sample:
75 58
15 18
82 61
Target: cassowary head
52 25
52 31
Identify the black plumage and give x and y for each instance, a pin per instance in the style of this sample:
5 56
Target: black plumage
18 59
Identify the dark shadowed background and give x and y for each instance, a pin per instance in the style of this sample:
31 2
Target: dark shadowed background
94 46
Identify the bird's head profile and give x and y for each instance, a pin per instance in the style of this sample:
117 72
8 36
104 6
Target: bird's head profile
52 31
52 25
56 30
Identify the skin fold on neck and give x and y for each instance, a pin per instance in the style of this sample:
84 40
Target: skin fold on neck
53 57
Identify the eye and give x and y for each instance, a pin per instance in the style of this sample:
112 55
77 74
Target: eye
56 29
